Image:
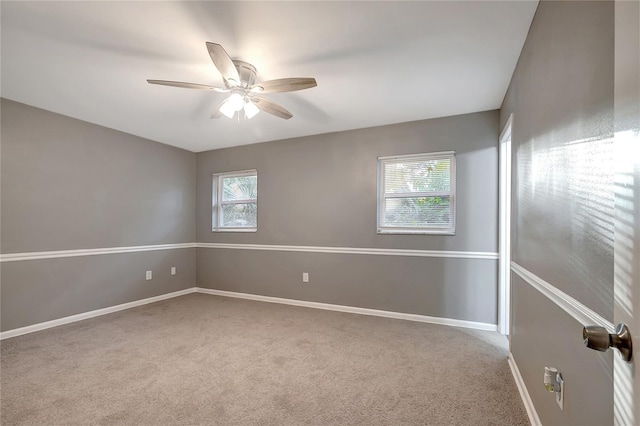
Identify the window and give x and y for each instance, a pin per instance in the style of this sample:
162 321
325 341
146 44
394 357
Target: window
416 194
235 201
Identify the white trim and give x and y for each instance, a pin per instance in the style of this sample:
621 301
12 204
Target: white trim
15 257
415 231
316 305
217 202
581 313
524 393
91 314
239 173
36 255
420 155
352 309
504 249
506 130
382 196
355 250
234 230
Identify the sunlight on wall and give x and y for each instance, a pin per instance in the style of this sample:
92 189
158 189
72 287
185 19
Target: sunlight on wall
565 189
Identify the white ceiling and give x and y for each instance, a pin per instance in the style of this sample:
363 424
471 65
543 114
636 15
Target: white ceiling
375 62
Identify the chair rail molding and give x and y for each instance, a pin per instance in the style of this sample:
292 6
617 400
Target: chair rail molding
37 255
356 250
581 313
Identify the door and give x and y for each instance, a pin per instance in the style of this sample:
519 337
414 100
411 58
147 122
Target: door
626 377
626 241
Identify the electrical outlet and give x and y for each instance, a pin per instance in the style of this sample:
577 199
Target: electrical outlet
149 275
173 270
305 277
560 393
554 382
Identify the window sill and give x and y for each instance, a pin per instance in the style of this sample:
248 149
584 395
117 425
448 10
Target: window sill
416 232
234 230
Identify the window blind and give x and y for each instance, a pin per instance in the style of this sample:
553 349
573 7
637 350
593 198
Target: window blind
417 193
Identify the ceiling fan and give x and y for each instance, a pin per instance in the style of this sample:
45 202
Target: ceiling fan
239 80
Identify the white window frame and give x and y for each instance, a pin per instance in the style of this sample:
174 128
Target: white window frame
382 196
217 203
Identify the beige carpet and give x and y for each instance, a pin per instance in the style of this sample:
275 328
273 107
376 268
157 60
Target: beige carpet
201 359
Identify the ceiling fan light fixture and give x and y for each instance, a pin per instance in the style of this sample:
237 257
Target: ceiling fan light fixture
239 79
234 103
227 111
250 109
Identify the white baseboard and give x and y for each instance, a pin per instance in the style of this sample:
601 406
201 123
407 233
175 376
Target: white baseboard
353 310
316 305
524 393
522 388
86 315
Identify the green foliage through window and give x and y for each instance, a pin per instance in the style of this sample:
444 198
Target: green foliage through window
235 200
416 192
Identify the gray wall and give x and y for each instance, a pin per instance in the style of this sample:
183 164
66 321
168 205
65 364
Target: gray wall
561 96
321 191
68 184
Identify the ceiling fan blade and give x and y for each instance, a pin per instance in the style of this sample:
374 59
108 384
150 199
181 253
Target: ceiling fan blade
187 85
224 63
271 107
284 85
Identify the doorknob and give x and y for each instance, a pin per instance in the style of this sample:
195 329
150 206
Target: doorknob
599 339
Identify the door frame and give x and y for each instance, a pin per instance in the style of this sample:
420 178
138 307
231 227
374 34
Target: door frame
626 250
504 236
